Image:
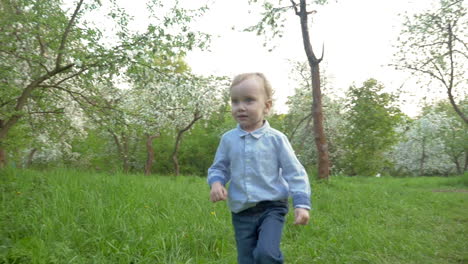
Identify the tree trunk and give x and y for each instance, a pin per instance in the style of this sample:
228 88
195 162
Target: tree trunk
451 77
126 163
457 164
180 133
317 112
3 160
175 159
465 168
122 148
423 157
30 157
150 153
319 131
3 157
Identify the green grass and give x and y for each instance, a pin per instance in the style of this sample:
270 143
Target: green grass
62 216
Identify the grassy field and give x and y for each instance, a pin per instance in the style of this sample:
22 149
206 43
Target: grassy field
63 216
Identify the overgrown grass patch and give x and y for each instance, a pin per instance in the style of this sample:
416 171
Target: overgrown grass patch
64 216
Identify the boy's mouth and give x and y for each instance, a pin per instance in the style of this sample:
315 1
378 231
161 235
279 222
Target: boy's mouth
242 116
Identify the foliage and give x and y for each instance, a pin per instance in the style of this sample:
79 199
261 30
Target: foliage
298 122
454 134
433 144
68 216
272 22
197 153
176 104
51 58
96 149
200 144
371 129
433 45
97 152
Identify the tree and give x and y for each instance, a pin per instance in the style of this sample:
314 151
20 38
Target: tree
433 144
153 97
195 98
50 134
176 99
46 51
433 44
25 56
454 135
115 119
272 20
298 122
371 131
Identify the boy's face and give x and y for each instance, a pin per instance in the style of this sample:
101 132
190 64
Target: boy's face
249 104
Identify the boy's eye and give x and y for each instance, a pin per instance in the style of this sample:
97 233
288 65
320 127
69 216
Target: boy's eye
249 100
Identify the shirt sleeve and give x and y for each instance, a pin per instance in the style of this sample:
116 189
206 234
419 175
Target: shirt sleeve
219 170
295 175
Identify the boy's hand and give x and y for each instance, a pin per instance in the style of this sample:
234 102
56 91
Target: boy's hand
218 192
301 216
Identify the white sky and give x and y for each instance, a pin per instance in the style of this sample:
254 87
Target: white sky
358 36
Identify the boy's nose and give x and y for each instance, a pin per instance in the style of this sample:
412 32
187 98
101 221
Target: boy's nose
241 106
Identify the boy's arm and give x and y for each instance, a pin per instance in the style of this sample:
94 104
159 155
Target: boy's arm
219 170
294 173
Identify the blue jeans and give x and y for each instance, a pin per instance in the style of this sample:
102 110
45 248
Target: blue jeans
258 232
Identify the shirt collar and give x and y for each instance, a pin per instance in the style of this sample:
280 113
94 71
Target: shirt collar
257 133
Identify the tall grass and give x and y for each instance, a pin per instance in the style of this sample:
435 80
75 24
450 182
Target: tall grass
64 216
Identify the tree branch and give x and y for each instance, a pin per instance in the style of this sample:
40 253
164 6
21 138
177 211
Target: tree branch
63 42
461 53
431 44
6 103
58 111
323 51
450 47
25 95
299 124
41 44
75 74
442 79
462 42
295 7
305 34
409 67
450 87
73 93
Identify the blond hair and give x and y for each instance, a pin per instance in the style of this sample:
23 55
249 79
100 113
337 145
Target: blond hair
244 76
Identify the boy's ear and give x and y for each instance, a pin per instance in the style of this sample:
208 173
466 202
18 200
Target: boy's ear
268 105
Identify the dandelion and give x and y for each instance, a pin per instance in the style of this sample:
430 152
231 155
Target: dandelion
213 213
146 206
18 192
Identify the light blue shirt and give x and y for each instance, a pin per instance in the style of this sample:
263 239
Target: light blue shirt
259 166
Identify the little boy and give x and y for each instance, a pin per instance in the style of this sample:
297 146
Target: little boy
262 170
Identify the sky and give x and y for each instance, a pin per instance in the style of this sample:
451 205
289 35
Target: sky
358 36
